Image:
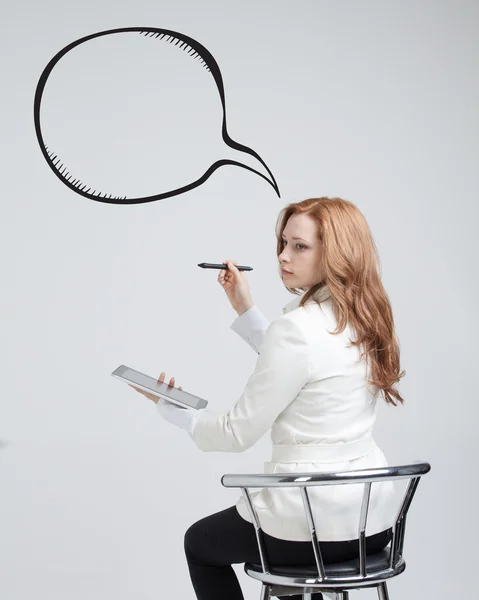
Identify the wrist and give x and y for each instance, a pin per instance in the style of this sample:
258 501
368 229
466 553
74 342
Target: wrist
244 308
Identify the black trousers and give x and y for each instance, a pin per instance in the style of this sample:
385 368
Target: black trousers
220 540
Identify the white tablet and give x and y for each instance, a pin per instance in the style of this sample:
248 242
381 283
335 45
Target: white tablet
162 390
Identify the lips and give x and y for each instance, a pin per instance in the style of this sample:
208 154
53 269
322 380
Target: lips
284 271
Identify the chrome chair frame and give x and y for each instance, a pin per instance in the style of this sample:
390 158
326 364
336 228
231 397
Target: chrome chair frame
331 585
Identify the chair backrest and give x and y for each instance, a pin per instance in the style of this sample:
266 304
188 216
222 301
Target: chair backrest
412 472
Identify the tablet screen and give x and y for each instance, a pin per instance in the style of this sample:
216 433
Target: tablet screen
162 390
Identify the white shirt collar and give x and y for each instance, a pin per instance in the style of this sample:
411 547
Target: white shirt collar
325 293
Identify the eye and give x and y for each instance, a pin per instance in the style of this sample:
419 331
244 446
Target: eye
301 246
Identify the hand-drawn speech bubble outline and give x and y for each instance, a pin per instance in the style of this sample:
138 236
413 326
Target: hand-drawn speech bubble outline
195 50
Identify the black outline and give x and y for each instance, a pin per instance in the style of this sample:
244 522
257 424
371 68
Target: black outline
211 65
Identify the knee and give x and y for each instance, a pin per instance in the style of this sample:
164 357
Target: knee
192 541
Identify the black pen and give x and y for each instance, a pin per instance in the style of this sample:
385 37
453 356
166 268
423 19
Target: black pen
223 266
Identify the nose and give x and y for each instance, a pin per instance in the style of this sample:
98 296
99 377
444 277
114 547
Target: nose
283 257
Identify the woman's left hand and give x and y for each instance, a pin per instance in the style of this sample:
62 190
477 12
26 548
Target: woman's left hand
161 379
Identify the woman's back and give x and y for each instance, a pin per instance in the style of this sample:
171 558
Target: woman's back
336 405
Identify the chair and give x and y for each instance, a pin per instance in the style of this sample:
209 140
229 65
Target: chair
332 580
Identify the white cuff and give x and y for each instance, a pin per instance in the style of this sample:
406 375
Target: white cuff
193 422
177 415
251 326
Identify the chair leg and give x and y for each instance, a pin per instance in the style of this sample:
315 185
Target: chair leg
264 592
383 591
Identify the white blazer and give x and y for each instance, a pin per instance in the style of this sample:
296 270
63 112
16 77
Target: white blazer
311 390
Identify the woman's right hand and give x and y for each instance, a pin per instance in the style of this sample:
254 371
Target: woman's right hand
235 284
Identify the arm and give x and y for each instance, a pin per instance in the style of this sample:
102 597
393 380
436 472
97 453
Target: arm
251 326
281 370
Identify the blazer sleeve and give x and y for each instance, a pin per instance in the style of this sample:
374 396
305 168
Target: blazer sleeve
282 369
251 326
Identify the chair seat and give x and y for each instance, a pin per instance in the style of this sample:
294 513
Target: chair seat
374 562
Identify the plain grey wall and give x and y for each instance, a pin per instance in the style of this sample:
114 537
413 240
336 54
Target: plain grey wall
372 101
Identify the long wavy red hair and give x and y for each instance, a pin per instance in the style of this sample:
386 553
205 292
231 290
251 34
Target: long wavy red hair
351 269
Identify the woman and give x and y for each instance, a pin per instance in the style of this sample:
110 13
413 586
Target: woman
321 367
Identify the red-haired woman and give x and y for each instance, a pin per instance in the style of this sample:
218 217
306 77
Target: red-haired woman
321 367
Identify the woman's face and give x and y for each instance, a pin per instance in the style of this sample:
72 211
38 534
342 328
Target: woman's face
301 254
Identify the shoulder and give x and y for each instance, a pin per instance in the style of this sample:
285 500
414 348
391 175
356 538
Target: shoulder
311 311
314 321
294 328
285 346
307 320
289 327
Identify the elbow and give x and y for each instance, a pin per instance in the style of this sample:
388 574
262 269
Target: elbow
230 436
231 443
236 441
241 448
240 438
238 444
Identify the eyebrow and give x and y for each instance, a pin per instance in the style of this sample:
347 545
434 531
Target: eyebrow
297 238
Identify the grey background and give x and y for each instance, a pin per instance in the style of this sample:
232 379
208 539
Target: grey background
375 102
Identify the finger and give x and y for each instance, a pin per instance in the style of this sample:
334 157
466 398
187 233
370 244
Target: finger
231 267
161 378
180 388
224 272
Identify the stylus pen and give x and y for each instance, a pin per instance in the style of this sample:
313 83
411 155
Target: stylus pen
223 266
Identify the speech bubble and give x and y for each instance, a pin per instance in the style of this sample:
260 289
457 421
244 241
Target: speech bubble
91 116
